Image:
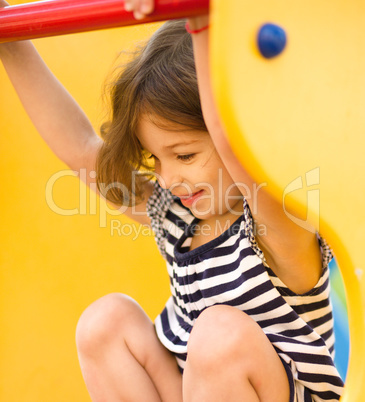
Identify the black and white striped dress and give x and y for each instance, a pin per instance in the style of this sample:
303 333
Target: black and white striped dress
231 270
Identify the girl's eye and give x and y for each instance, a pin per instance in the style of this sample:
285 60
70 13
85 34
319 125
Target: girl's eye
185 158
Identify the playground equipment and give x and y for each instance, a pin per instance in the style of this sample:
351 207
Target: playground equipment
58 17
294 117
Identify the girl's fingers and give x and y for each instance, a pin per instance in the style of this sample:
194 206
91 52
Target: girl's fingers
140 8
128 6
147 6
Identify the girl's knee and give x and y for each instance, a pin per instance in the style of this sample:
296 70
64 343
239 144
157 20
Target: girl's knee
225 345
222 334
103 320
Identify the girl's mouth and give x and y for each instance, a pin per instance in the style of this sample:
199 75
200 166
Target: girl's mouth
189 200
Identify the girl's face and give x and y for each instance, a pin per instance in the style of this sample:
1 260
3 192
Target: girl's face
187 163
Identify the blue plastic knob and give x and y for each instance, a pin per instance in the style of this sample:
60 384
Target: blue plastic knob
271 40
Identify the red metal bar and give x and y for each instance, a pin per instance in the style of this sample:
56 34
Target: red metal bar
59 17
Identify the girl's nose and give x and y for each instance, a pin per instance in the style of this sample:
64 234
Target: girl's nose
167 176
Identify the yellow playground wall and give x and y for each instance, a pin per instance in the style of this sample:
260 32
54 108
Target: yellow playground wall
55 262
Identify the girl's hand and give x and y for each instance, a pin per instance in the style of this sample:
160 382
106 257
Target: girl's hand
3 3
140 8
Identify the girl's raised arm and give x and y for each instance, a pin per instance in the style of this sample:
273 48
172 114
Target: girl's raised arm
57 117
55 114
291 251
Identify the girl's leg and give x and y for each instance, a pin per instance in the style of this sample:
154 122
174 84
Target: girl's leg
231 359
120 355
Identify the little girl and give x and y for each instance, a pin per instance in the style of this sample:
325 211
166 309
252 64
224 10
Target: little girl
249 317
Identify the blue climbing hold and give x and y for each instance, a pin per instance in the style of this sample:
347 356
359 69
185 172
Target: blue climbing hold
271 40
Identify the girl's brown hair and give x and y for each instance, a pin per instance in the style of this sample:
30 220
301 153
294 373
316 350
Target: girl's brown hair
161 81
